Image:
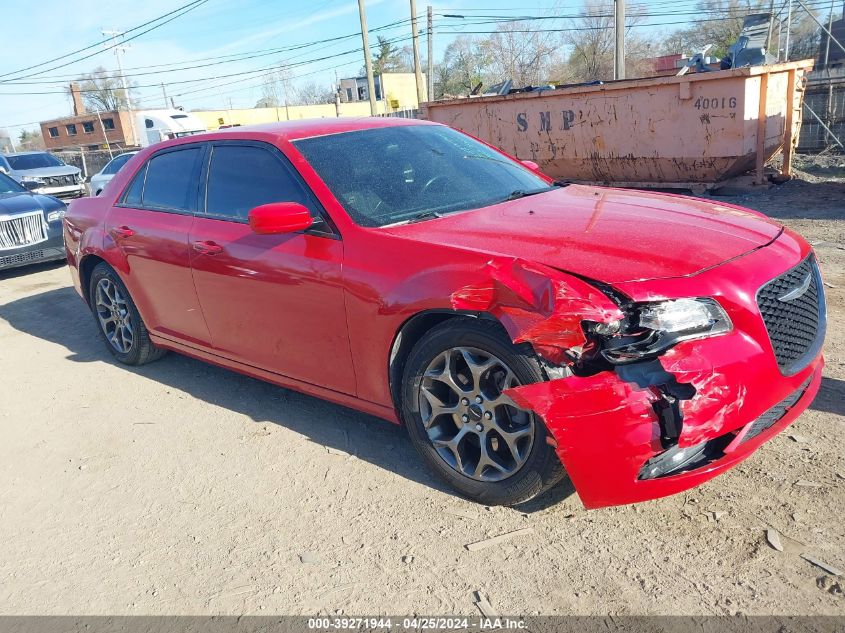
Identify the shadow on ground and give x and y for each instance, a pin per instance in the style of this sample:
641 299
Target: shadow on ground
59 316
795 200
831 397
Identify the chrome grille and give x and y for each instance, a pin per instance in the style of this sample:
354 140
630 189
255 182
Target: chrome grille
793 309
22 230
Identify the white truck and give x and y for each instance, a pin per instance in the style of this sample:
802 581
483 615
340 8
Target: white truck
154 126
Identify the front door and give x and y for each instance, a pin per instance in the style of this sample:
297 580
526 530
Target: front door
150 226
271 301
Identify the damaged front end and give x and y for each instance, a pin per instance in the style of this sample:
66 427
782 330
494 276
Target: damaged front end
653 387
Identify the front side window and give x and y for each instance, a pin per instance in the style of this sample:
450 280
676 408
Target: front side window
242 177
395 174
171 181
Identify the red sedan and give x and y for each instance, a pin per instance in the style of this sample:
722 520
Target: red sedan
521 329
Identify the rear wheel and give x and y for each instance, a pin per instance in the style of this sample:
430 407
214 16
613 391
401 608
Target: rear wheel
118 320
463 425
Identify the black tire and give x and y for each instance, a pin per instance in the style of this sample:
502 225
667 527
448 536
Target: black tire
541 469
141 350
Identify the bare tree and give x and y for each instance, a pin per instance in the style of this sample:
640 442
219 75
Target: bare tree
311 93
103 90
465 63
721 25
274 89
30 140
592 45
522 54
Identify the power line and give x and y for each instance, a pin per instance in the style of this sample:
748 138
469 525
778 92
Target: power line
174 15
231 58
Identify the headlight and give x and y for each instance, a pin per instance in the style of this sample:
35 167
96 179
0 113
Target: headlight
652 328
55 215
686 317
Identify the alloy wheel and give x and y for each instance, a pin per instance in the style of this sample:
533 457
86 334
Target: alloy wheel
475 429
114 316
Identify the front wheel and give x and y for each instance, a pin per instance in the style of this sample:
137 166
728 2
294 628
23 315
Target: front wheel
118 320
471 434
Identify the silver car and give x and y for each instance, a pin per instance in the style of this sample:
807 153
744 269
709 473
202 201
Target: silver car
102 178
43 173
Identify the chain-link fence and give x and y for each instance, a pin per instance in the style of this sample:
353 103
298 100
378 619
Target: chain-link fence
88 161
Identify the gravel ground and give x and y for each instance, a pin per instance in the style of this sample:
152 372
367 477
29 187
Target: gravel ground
180 488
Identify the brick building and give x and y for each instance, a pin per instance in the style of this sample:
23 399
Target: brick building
88 130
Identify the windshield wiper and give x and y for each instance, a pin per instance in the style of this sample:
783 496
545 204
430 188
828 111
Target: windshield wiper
422 216
522 193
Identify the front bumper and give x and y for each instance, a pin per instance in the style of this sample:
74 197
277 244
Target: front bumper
52 249
65 191
606 428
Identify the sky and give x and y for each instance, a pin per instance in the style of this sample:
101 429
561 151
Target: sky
46 29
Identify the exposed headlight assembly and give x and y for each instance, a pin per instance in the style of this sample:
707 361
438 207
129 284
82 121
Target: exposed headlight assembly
652 328
700 317
53 216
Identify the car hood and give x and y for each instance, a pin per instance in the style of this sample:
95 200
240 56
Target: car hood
41 172
609 235
15 203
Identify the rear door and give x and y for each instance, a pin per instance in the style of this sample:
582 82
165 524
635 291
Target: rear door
272 301
149 227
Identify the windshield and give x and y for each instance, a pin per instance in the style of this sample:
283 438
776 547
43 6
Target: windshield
33 161
405 173
7 185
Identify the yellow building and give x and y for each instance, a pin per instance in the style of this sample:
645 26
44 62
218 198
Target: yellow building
399 88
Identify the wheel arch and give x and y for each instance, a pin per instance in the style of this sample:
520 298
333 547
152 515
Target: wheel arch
86 267
410 332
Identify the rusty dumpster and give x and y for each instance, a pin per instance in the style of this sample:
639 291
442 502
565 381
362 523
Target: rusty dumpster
692 131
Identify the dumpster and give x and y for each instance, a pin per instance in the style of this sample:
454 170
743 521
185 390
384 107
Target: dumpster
692 131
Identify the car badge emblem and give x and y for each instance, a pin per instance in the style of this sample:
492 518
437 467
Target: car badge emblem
798 290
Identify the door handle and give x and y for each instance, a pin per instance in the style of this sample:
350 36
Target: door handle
208 247
122 231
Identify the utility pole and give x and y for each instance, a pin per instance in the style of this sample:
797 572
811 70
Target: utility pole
430 37
788 29
416 39
164 94
368 62
118 50
619 50
105 136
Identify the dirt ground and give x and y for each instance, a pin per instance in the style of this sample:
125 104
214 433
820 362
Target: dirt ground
180 488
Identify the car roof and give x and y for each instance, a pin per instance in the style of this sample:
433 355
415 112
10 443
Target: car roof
293 130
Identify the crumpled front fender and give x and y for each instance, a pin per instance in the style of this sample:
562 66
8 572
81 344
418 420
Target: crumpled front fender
538 305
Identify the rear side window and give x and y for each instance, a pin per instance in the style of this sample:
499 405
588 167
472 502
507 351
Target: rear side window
171 181
132 198
241 177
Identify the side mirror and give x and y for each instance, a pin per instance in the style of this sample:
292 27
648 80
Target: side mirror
3 170
279 217
531 165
